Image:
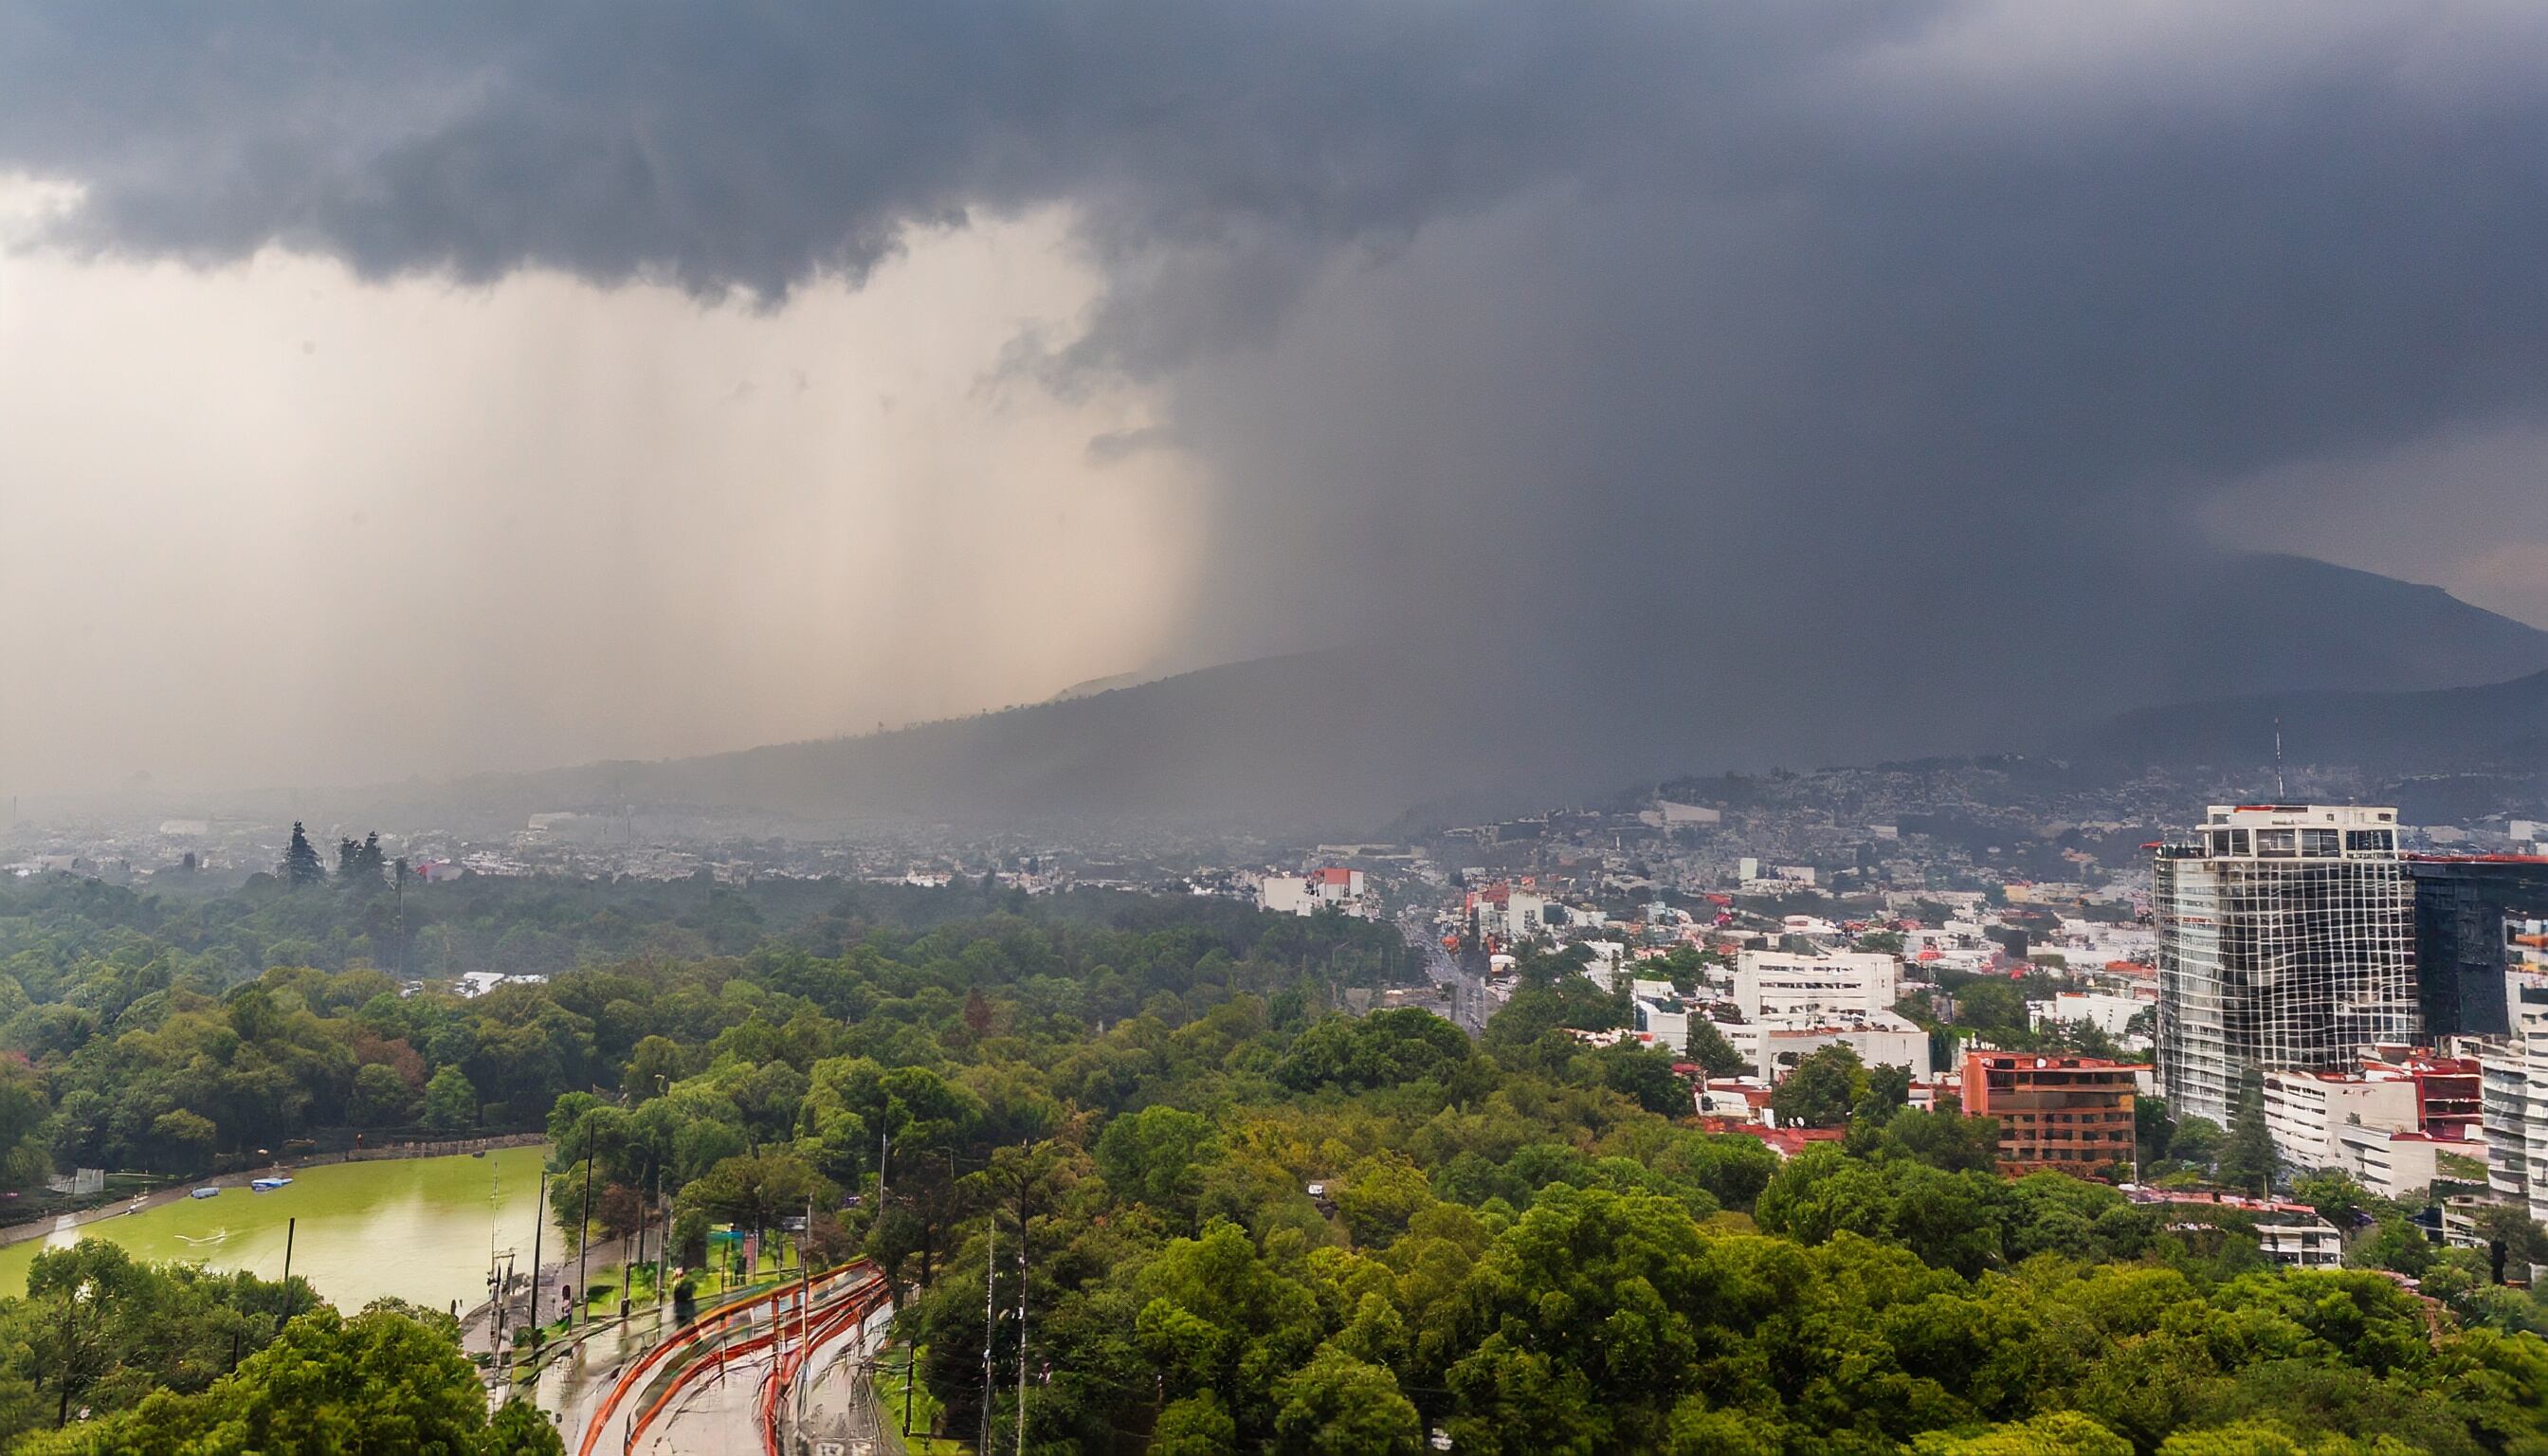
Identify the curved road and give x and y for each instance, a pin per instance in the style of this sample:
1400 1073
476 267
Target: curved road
707 1373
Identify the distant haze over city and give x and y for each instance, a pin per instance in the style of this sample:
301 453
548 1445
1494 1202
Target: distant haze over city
1522 398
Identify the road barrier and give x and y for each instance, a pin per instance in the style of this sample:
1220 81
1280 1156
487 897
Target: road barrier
714 1323
813 1335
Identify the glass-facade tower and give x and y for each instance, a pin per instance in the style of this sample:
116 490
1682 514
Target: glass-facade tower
2286 939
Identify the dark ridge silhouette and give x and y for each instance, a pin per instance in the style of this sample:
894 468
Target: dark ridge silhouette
1352 740
2499 726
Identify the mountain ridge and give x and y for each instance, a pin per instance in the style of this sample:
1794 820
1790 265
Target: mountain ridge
1351 739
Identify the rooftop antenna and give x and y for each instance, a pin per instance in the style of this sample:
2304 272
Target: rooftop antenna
2279 793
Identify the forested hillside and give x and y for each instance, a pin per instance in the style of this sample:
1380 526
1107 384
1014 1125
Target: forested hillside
1251 1222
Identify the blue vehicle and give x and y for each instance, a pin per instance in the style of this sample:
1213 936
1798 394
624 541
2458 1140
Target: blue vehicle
205 1193
267 1185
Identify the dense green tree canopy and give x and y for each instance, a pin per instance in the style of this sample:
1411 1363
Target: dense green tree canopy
1524 1242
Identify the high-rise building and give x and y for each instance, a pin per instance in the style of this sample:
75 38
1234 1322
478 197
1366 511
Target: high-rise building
2286 941
2470 914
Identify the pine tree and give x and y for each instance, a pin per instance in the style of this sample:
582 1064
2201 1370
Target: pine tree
363 865
2247 1160
300 860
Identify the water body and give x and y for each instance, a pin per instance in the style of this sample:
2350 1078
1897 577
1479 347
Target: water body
418 1227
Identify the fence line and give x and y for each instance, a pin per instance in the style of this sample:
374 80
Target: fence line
447 1148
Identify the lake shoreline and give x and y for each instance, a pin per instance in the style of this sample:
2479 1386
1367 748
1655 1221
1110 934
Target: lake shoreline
33 1228
425 1230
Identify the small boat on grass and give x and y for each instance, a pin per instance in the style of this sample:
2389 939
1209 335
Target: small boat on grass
207 1192
268 1185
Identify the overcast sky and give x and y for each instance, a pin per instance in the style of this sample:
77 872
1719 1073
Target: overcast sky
391 392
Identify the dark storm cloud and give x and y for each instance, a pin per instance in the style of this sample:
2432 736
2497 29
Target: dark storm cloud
1468 303
754 146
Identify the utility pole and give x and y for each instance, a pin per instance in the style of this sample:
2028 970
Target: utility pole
290 1225
990 1319
663 1241
806 1320
1023 1172
583 1227
539 1226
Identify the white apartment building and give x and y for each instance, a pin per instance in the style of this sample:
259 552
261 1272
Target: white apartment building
2107 1012
2286 941
1603 960
2302 1242
1778 986
1285 894
2515 1125
1306 895
1662 1016
2307 1111
1886 1040
1524 914
2394 1165
1793 1005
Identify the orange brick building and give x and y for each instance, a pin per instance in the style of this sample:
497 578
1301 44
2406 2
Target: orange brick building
2073 1114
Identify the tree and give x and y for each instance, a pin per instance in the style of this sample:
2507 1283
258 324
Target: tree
23 1111
1338 1406
1644 1076
2395 1244
1945 1139
2152 1129
377 1384
1157 1156
650 1059
382 1098
1380 1197
1822 1089
2247 1158
2337 1198
102 1329
756 1190
2196 1142
1215 1315
300 864
361 865
1991 1005
1383 1049
1707 1047
2511 1236
1888 1090
1198 1425
2054 1433
183 1140
450 1102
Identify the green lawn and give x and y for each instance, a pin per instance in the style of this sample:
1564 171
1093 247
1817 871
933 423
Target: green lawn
925 1407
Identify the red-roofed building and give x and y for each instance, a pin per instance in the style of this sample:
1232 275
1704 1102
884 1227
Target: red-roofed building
2448 1095
1333 886
2071 1114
